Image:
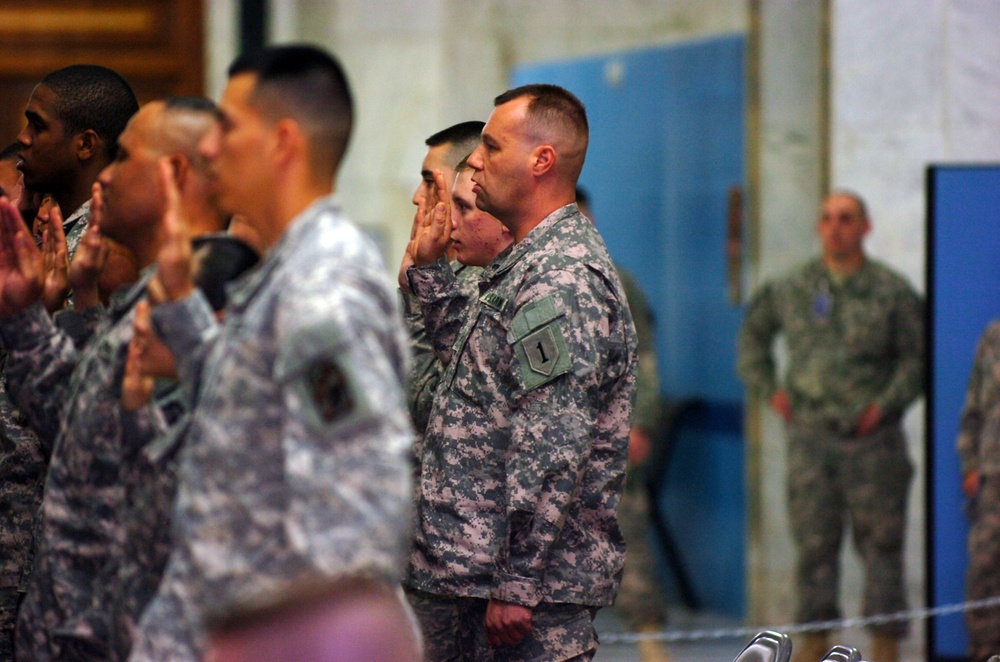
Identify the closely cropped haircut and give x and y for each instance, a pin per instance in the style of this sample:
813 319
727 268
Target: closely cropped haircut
553 107
11 151
193 104
89 96
307 84
847 193
193 118
550 103
463 138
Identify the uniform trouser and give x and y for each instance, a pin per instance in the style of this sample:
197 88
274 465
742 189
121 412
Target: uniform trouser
865 480
983 576
9 597
640 599
454 628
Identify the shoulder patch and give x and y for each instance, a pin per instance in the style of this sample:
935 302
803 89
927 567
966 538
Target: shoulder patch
316 364
539 343
330 393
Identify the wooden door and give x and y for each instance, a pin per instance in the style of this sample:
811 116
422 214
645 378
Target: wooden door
155 44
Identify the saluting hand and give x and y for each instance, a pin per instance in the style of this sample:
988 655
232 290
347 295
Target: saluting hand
432 236
21 268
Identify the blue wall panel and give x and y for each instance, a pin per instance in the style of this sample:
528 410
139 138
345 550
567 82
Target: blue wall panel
964 296
667 128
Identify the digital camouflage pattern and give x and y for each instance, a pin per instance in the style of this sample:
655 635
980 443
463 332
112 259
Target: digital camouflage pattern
425 367
865 479
23 463
524 458
982 578
149 480
641 599
849 344
979 450
852 342
648 407
75 226
979 428
71 396
296 458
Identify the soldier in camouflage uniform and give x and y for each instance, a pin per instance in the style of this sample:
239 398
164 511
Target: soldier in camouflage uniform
856 344
79 528
295 461
517 543
149 470
979 452
641 599
445 149
78 102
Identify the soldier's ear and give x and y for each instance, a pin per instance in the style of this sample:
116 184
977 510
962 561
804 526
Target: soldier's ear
543 160
88 145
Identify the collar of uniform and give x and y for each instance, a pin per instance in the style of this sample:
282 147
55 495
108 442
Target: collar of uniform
244 288
81 211
859 281
506 260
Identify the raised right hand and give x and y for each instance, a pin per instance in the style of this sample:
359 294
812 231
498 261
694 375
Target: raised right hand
21 269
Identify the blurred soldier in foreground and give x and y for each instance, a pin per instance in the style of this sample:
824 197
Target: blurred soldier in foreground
856 344
348 620
295 462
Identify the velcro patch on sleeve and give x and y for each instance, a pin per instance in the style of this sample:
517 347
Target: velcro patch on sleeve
539 343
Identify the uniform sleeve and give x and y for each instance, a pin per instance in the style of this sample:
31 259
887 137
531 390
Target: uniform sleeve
647 383
443 302
907 380
189 329
41 359
970 424
425 367
346 435
562 339
756 363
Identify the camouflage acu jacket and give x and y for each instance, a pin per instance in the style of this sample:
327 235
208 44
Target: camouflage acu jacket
979 428
72 396
850 344
296 455
425 367
524 458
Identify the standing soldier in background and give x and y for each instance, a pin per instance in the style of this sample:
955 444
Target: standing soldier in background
979 452
856 344
641 599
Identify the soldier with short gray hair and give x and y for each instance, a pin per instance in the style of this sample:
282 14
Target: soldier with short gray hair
856 362
517 543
